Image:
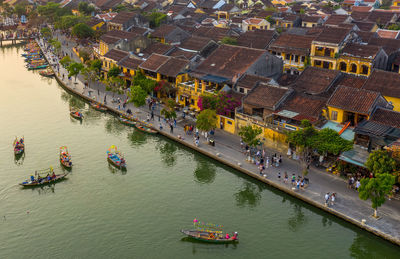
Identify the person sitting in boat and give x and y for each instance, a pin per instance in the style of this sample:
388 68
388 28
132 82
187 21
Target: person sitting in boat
211 236
39 179
32 178
21 141
53 176
227 236
235 236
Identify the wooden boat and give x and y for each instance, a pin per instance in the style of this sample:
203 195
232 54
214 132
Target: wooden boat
19 146
37 67
65 158
47 73
210 237
127 122
43 177
98 106
76 114
145 128
115 158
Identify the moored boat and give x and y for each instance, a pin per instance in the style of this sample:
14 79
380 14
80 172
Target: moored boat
37 67
211 233
145 128
127 122
43 177
115 158
98 106
65 157
76 114
19 146
47 73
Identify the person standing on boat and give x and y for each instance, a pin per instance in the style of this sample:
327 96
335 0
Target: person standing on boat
227 236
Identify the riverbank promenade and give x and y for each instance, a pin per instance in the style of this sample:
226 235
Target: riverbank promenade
227 150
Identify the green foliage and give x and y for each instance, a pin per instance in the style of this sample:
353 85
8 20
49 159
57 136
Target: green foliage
206 120
302 11
74 69
20 9
155 19
113 72
169 111
96 64
140 79
394 27
376 189
82 31
52 11
329 141
307 62
229 41
115 84
65 61
46 32
56 44
90 74
207 101
85 8
84 55
138 96
250 134
270 8
270 19
379 162
68 21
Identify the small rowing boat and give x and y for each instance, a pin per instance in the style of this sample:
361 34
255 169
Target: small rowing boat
65 157
37 67
43 177
19 146
127 122
98 106
76 114
211 233
145 128
115 158
47 73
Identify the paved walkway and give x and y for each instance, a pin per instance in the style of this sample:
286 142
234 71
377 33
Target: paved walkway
227 149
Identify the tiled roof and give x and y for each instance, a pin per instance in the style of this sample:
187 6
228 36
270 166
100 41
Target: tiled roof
163 31
154 62
173 67
311 18
158 48
254 21
380 17
229 61
123 17
389 34
182 54
389 45
109 39
332 35
359 16
250 81
308 107
116 54
361 8
257 39
366 36
106 16
266 96
195 43
353 99
386 117
387 83
293 44
117 35
352 80
93 21
365 26
358 50
138 30
212 32
315 80
131 63
336 19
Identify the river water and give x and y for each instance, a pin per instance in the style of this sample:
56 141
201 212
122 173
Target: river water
100 212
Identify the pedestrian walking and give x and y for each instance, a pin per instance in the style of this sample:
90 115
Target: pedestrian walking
302 184
279 176
327 196
293 179
285 179
161 126
174 122
172 128
148 118
152 115
298 184
333 198
260 167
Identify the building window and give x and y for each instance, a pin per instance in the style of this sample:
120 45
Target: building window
334 115
303 58
287 57
128 71
364 70
343 66
192 101
296 58
273 53
353 68
241 90
317 63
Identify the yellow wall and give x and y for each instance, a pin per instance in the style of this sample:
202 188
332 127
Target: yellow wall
340 114
229 124
97 26
309 24
314 52
125 70
278 2
358 62
395 101
103 48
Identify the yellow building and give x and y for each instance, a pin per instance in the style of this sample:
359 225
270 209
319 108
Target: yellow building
352 105
255 24
311 21
360 59
281 2
325 48
111 59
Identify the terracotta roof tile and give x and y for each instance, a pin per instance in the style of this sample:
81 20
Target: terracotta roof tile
163 31
173 67
386 117
123 17
389 45
257 39
158 48
116 54
195 43
332 35
315 80
308 107
154 62
352 81
131 63
358 50
365 26
387 83
336 19
250 81
294 44
353 99
389 34
266 96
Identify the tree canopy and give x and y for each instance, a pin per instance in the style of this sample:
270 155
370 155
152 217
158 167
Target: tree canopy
96 64
376 189
206 120
69 21
113 72
85 8
52 11
155 19
138 96
74 69
144 82
46 32
65 61
249 134
169 111
380 162
229 40
82 31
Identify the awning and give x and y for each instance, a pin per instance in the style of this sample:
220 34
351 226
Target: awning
357 156
214 79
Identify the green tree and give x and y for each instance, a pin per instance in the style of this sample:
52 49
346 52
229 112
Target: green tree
114 71
56 44
229 40
302 11
137 96
65 61
82 31
68 21
250 134
96 64
85 8
52 11
394 27
140 79
20 9
90 74
376 189
307 139
169 111
206 120
74 69
84 55
270 19
155 19
379 162
46 32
